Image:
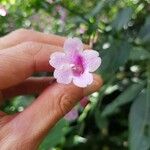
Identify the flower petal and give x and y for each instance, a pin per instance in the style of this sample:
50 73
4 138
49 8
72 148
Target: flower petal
93 61
63 75
3 11
84 101
72 45
72 115
82 81
58 59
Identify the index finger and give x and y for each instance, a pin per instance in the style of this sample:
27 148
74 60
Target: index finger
21 61
23 35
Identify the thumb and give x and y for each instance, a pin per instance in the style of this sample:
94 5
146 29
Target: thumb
32 124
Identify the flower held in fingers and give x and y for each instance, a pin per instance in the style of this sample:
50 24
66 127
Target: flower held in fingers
75 64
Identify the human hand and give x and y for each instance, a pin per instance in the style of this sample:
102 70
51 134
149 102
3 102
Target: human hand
22 53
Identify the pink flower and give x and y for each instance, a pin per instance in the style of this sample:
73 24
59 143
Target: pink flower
63 14
3 11
73 114
74 64
82 29
84 101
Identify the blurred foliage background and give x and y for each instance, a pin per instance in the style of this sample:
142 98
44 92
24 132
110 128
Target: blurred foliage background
118 116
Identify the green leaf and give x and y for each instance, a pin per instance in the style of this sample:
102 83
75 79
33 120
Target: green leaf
101 122
139 53
122 18
114 57
144 33
97 8
139 122
55 136
127 96
22 101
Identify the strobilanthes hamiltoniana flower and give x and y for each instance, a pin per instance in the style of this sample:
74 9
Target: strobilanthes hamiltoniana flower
75 64
74 113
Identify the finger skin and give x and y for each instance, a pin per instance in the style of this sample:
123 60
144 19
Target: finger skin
23 35
32 125
2 114
33 85
21 61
